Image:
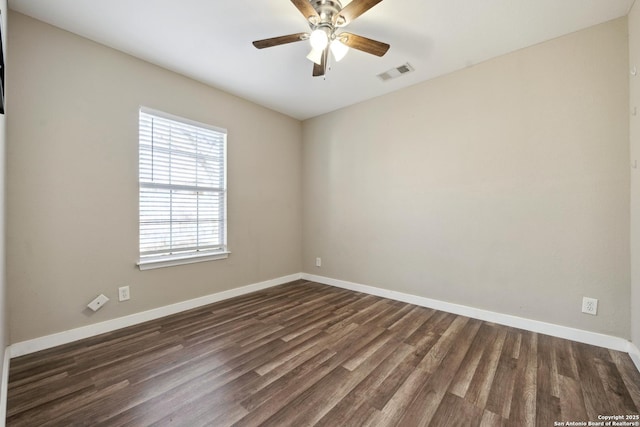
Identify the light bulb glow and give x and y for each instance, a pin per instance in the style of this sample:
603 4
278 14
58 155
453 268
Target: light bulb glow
319 39
339 49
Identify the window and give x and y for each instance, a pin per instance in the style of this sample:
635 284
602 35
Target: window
182 190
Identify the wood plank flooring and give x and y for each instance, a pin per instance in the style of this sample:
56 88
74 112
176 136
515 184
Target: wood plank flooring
306 354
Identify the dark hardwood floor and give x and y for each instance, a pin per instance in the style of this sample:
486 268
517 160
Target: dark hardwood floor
308 354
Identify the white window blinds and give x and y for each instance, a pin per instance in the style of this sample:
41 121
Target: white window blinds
182 188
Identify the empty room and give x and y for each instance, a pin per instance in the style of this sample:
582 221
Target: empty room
320 213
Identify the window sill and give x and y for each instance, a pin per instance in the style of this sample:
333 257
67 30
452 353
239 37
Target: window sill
150 264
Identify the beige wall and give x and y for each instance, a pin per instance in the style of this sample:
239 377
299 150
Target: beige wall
73 189
504 186
634 136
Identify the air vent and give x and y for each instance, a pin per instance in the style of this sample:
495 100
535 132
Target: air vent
396 72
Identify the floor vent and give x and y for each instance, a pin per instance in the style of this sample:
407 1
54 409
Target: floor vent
395 72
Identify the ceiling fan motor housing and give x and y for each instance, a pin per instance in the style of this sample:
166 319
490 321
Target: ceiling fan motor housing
327 10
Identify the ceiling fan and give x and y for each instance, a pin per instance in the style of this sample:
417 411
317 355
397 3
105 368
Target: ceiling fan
326 19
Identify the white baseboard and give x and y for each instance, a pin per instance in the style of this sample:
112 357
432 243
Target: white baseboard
4 386
53 340
634 352
593 338
48 341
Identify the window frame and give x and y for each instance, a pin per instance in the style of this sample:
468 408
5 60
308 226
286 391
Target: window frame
151 262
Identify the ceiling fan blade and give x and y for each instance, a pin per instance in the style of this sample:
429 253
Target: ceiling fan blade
276 41
355 9
306 9
364 44
320 69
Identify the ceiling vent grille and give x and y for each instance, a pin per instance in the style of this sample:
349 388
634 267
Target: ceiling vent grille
395 72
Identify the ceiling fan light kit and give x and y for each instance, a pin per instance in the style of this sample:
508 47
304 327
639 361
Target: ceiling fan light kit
338 49
315 56
326 18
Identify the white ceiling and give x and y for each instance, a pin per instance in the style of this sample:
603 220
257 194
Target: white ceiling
210 40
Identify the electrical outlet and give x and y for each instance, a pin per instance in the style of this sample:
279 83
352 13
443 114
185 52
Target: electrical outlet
589 305
123 293
318 262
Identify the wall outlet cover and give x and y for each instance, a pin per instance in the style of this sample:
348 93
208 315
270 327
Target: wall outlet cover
590 305
123 293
